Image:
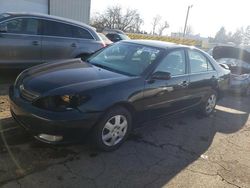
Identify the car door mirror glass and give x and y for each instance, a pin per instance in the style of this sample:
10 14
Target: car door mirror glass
159 75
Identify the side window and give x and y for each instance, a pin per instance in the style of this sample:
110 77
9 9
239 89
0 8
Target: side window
173 63
52 28
32 26
198 62
81 33
22 26
15 26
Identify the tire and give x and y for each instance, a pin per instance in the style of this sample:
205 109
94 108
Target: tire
113 129
207 108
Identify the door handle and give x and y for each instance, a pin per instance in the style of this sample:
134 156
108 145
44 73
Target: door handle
73 45
35 43
183 84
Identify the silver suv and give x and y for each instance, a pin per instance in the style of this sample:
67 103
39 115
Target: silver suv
30 39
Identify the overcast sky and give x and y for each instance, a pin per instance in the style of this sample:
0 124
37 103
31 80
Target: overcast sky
206 17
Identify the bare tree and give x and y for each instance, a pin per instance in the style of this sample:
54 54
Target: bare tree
155 23
189 31
164 26
115 18
246 37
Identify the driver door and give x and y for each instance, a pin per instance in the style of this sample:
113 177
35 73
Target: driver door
164 97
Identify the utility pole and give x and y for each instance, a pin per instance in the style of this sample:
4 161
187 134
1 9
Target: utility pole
185 27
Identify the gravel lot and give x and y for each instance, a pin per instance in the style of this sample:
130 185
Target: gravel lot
184 151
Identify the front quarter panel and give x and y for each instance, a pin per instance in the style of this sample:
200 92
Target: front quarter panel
129 92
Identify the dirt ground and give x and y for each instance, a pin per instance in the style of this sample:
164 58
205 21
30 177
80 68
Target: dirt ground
184 151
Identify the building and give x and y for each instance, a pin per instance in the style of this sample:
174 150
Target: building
74 9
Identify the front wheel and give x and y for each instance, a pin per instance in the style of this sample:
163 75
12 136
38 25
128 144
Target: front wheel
208 106
113 129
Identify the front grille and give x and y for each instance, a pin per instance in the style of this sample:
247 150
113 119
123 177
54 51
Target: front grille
28 95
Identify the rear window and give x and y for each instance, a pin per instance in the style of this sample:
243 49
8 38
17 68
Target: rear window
53 28
81 33
198 62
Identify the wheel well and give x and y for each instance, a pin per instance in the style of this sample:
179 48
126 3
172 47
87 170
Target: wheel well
128 107
125 105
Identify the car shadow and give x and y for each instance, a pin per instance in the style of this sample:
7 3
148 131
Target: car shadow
151 157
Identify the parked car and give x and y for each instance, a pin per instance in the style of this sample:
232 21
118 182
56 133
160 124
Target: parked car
31 39
105 39
238 61
115 37
107 30
116 89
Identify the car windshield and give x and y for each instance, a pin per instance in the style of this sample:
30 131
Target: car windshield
125 58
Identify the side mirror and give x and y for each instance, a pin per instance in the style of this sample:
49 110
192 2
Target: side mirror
3 28
159 75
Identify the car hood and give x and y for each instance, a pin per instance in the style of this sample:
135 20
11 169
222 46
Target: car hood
68 76
231 52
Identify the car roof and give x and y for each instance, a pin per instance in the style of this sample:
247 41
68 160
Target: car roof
157 44
46 16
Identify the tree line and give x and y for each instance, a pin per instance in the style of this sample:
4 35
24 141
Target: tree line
240 37
128 20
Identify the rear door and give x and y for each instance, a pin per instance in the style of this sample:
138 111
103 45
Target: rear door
57 41
202 76
20 45
168 96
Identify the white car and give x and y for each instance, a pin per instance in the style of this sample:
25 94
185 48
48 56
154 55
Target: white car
238 61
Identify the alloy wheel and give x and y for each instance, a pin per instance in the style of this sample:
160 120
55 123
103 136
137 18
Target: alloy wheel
114 130
211 103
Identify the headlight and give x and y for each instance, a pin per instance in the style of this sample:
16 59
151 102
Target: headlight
61 103
66 98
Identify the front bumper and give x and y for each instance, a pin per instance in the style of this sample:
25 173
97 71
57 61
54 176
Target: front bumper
72 125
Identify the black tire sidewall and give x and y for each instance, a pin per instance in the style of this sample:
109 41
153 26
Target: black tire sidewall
97 133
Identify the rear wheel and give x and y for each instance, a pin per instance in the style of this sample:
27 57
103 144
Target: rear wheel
207 108
113 129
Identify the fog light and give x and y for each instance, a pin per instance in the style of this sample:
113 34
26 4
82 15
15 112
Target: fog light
50 138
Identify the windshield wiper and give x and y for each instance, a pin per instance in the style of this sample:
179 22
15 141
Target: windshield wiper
99 65
110 69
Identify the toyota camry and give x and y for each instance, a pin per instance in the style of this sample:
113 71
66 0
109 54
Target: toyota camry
113 91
